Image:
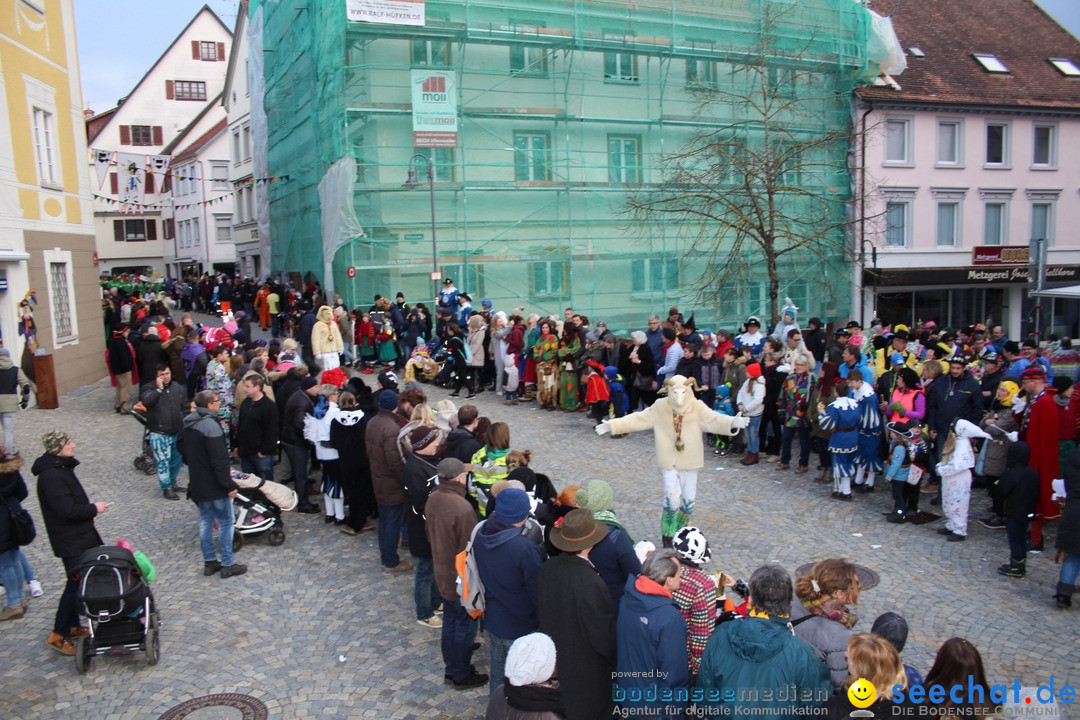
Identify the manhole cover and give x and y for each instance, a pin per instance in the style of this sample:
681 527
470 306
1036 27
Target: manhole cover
249 707
867 577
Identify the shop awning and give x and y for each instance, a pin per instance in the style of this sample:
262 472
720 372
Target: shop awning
1069 291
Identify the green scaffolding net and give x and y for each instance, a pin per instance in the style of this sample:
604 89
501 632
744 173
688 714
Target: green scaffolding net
563 114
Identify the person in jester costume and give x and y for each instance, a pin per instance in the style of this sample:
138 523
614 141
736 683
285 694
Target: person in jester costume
677 422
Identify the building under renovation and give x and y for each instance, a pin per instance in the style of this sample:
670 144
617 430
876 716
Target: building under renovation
542 120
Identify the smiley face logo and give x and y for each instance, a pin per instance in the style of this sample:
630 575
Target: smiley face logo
862 693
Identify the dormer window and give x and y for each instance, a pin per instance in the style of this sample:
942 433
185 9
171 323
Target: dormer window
990 63
1065 66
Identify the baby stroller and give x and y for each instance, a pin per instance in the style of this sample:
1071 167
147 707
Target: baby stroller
258 506
144 462
114 596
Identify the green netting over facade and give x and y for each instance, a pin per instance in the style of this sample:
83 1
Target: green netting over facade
564 109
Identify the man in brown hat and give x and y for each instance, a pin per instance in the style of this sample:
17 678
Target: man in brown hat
449 522
575 609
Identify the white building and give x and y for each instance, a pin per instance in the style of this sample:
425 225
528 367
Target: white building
189 75
237 102
969 161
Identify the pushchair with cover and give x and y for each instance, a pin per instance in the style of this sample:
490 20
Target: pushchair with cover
258 506
115 597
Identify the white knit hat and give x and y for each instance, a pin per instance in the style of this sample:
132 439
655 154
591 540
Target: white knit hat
531 660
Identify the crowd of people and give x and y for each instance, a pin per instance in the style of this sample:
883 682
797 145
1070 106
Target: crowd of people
579 618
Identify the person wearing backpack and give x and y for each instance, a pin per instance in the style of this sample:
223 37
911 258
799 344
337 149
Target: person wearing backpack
450 520
509 564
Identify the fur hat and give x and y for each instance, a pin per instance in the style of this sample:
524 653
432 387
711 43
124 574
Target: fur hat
54 441
691 545
531 660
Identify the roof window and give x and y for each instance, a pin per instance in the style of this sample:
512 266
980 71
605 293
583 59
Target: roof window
1065 66
990 63
916 52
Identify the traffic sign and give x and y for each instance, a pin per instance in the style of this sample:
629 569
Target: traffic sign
351 272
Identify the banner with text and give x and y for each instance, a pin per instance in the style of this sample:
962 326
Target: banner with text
390 12
434 108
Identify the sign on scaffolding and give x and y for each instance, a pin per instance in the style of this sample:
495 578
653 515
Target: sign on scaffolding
434 108
389 12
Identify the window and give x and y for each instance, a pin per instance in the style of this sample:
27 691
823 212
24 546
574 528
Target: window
948 224
195 239
44 150
236 156
624 159
134 230
1065 66
249 203
219 175
898 141
549 277
141 135
950 142
61 297
222 230
471 282
990 63
189 90
620 67
1045 151
897 223
994 225
782 81
997 144
208 50
1042 222
246 138
702 72
433 53
528 60
531 157
444 163
649 275
168 228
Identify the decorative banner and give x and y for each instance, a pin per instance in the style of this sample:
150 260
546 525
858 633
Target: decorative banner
102 160
131 172
389 12
157 165
131 207
434 108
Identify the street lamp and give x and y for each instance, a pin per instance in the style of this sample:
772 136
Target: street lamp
412 183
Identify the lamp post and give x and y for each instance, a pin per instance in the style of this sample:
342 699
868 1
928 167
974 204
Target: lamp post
412 183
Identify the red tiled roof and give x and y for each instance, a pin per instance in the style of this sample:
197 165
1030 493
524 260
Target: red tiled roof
1018 32
206 137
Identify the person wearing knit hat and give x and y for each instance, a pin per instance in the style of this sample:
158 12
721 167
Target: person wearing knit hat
750 401
387 465
388 400
529 682
894 628
613 557
575 610
69 519
509 564
653 665
418 479
1001 425
696 596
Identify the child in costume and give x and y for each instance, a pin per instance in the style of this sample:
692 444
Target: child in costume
957 460
597 393
901 434
841 416
620 401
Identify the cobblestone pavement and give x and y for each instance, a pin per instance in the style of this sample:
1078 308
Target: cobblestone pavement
316 630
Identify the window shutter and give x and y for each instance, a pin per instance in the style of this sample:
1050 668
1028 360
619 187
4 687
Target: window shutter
125 134
149 189
169 90
157 135
221 51
169 228
114 184
118 229
195 55
151 229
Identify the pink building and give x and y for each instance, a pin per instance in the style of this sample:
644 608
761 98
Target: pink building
969 156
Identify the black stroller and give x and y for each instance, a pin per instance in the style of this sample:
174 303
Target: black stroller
114 596
144 462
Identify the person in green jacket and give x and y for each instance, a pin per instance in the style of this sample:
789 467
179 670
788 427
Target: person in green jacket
755 666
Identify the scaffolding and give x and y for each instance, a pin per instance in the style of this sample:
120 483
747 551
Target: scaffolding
565 109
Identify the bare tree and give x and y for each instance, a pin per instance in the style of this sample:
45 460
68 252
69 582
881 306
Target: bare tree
764 177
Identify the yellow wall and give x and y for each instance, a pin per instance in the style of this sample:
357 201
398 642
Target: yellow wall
41 53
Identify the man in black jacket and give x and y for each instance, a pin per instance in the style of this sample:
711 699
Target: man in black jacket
69 520
121 363
257 431
815 340
419 479
165 402
211 487
296 448
461 443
